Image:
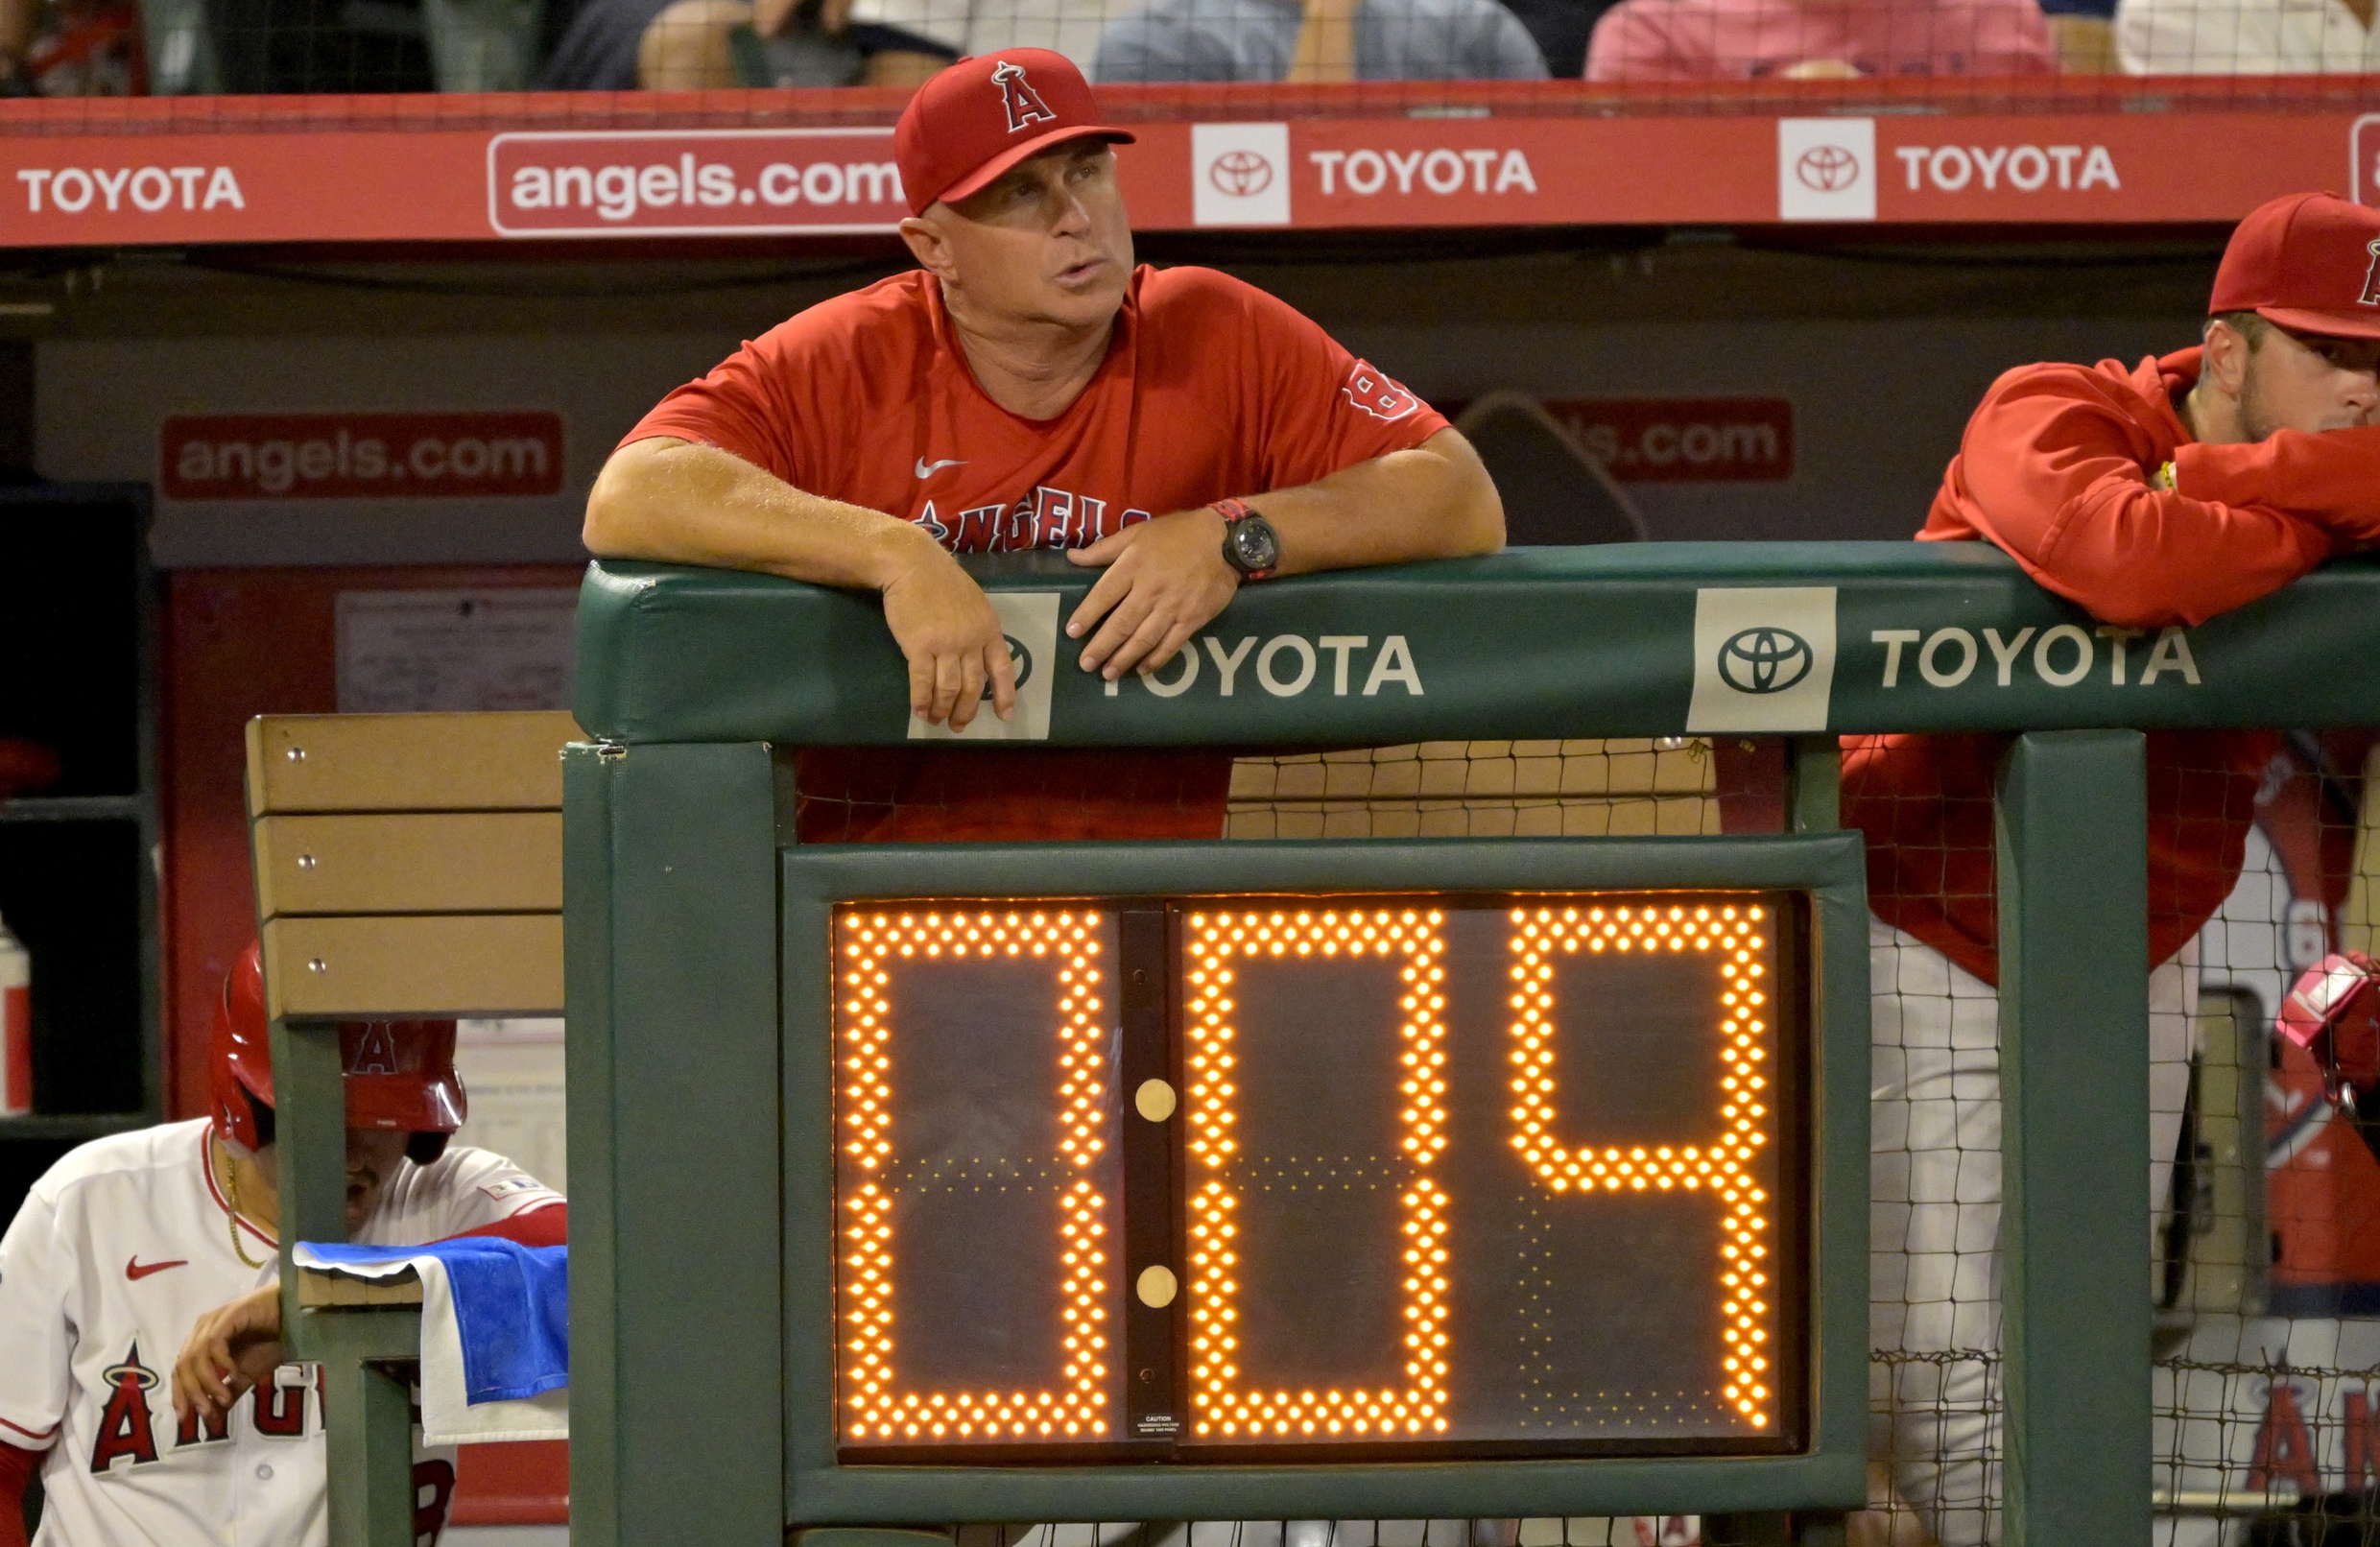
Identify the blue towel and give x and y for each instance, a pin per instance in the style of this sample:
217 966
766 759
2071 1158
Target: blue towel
512 1309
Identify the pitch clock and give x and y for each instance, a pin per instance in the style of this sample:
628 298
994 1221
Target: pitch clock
1213 1178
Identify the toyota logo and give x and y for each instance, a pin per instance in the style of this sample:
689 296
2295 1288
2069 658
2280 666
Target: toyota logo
1763 660
1020 659
1241 174
1828 169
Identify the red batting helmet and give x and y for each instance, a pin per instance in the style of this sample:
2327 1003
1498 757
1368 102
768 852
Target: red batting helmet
400 1073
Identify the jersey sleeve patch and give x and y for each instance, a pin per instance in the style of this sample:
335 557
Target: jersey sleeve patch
506 1187
1372 391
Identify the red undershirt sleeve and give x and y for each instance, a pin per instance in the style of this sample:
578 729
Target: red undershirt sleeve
545 1226
16 1468
2053 474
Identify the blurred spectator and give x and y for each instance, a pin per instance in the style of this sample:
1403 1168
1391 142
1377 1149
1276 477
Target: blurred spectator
259 47
1308 40
926 35
1561 28
1818 39
2246 37
73 48
694 44
2082 32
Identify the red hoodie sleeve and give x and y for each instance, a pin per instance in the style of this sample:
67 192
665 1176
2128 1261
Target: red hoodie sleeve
547 1226
2056 468
2331 479
16 1468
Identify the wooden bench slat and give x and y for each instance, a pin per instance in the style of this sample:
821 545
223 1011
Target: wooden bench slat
407 762
415 966
411 863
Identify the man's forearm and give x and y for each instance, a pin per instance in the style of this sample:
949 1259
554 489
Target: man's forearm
676 502
1434 502
2331 478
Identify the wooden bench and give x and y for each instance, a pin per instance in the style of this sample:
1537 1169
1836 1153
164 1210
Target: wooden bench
408 866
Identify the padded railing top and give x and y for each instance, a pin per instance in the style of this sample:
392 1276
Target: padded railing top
1627 640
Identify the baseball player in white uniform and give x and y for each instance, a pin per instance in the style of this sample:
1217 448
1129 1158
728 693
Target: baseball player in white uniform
139 1248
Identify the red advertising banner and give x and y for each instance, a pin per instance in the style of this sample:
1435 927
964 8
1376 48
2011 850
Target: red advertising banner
457 455
135 190
79 183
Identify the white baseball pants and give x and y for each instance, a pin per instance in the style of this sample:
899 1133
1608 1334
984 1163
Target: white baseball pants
1934 1217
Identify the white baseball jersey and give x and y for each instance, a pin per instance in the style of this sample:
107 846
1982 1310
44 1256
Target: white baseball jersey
115 1254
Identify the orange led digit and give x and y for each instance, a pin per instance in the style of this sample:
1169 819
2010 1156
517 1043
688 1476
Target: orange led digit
877 1406
1224 1405
1731 937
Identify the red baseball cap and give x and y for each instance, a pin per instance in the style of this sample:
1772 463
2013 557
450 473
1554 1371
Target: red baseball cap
979 117
2309 261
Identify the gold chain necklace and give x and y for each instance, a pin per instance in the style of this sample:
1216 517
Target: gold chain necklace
231 1185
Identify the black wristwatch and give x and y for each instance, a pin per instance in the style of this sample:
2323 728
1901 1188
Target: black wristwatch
1250 545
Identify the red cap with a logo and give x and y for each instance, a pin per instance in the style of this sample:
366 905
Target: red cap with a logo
979 117
2307 261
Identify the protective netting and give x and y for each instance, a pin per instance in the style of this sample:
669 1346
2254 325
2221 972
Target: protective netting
1629 54
2266 1270
1576 1530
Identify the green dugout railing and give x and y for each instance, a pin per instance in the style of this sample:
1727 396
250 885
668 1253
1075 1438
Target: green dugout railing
700 1129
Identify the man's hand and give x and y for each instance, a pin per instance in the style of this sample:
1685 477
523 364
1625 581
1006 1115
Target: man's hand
1165 579
231 1349
946 627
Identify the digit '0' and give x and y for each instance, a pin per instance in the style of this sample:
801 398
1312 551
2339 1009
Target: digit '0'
874 1405
1725 1165
1222 1406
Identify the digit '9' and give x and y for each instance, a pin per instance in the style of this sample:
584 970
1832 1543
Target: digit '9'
1732 936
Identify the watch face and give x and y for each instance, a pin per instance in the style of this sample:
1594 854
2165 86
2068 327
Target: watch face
1253 540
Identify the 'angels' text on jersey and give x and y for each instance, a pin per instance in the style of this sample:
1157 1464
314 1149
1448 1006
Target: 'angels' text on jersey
1045 518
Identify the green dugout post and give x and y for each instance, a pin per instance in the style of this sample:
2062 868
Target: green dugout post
670 865
371 1474
2074 1084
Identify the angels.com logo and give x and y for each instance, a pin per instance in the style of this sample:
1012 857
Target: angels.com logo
1763 660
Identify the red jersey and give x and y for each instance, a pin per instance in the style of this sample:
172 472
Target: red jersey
2061 465
1210 389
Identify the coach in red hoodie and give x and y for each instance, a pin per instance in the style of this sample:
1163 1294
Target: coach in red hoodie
2156 494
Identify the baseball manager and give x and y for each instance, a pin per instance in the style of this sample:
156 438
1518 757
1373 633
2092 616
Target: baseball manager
1028 387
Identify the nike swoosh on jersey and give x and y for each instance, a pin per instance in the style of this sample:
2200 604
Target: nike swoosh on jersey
927 469
136 1270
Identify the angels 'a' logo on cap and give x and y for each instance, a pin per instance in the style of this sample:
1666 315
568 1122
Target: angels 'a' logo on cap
375 1053
1018 99
2371 275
